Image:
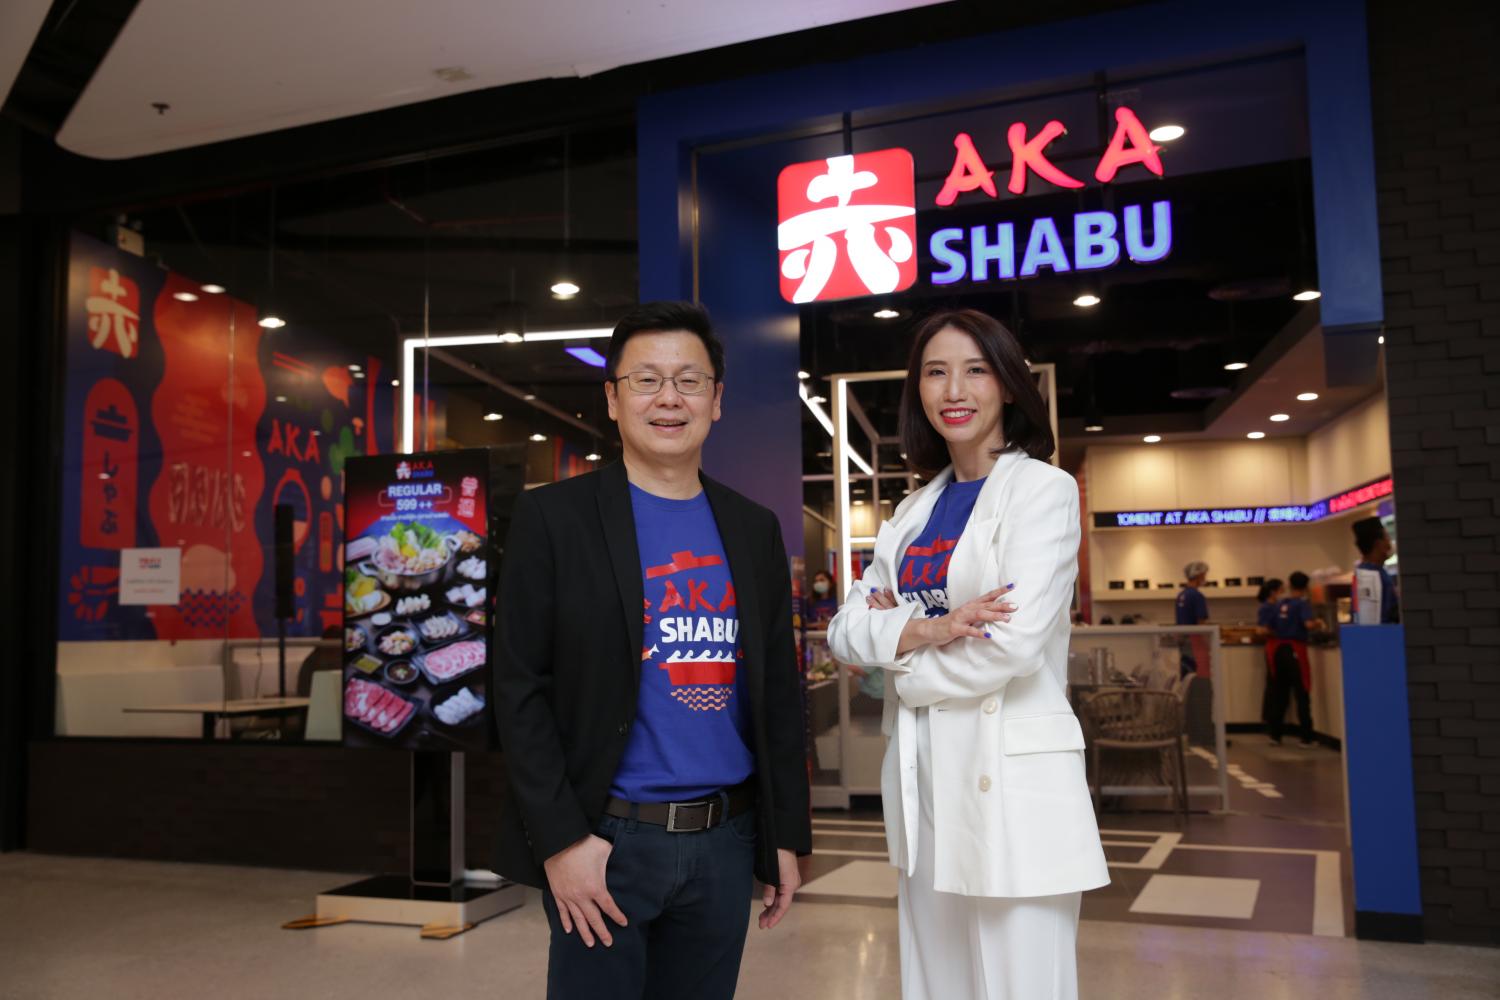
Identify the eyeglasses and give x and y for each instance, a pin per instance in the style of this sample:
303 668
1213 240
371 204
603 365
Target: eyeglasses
650 383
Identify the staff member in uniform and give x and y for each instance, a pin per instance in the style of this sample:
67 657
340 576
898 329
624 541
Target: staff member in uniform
1374 549
647 692
1192 609
1291 671
987 809
1265 619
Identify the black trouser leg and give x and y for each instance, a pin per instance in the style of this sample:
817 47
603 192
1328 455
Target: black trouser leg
1304 706
1280 694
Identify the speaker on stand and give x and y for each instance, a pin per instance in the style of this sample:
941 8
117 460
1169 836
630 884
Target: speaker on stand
285 577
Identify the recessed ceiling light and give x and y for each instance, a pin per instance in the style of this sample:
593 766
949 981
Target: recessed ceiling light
1087 300
1306 397
565 290
1308 295
281 399
510 337
859 503
1151 438
1236 366
395 381
803 376
1280 418
886 314
358 374
1093 428
212 289
538 437
529 396
272 322
1256 435
885 499
816 399
355 368
592 456
1380 339
1167 133
492 416
184 296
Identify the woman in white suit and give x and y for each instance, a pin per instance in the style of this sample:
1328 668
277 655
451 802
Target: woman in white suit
987 809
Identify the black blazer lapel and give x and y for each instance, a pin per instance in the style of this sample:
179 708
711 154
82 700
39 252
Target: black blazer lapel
746 588
618 519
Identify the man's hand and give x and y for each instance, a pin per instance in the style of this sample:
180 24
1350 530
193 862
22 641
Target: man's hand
576 877
778 897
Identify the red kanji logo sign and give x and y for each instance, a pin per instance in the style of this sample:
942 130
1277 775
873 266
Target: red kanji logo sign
847 226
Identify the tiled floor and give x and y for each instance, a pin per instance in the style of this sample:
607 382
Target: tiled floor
1275 862
82 929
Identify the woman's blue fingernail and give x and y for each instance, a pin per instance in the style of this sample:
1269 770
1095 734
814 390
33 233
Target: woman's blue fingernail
1010 586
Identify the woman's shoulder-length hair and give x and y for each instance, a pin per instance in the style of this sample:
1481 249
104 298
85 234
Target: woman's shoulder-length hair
1026 426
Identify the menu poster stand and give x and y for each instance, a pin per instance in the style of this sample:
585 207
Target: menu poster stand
434 895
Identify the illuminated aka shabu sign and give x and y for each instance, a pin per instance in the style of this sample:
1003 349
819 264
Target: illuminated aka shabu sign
847 224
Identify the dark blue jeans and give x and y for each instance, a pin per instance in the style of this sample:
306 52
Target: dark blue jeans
687 897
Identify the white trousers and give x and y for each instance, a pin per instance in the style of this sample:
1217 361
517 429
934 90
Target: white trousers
976 947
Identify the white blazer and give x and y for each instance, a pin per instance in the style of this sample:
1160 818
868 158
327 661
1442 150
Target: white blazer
1012 811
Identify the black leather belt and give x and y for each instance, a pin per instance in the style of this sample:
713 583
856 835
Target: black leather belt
687 817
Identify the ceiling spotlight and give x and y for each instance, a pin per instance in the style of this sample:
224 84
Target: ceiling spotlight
510 337
212 289
1236 366
281 399
1093 427
538 437
816 399
355 368
395 381
565 290
1280 418
1167 133
358 374
492 416
529 396
1087 300
885 499
1308 295
859 503
184 296
803 376
1306 397
272 322
1380 339
1151 438
1256 435
886 314
592 456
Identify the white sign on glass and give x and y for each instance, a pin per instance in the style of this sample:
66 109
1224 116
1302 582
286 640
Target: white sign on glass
150 576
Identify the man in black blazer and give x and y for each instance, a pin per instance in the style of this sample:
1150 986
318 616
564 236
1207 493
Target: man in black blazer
647 692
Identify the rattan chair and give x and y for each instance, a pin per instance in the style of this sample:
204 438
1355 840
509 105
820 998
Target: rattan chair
1141 722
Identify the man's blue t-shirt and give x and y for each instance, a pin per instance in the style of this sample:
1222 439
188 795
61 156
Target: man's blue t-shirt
691 732
1192 607
1389 613
923 576
1292 616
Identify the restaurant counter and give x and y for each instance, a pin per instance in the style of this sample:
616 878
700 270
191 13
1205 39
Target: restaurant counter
1245 684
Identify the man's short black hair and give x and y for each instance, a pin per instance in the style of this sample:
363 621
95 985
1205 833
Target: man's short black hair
1297 581
665 317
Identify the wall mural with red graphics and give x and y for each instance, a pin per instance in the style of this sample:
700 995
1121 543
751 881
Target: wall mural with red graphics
186 424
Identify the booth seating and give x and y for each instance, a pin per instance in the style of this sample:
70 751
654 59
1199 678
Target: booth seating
1150 725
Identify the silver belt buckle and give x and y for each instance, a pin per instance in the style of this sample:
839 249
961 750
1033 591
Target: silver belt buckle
672 808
